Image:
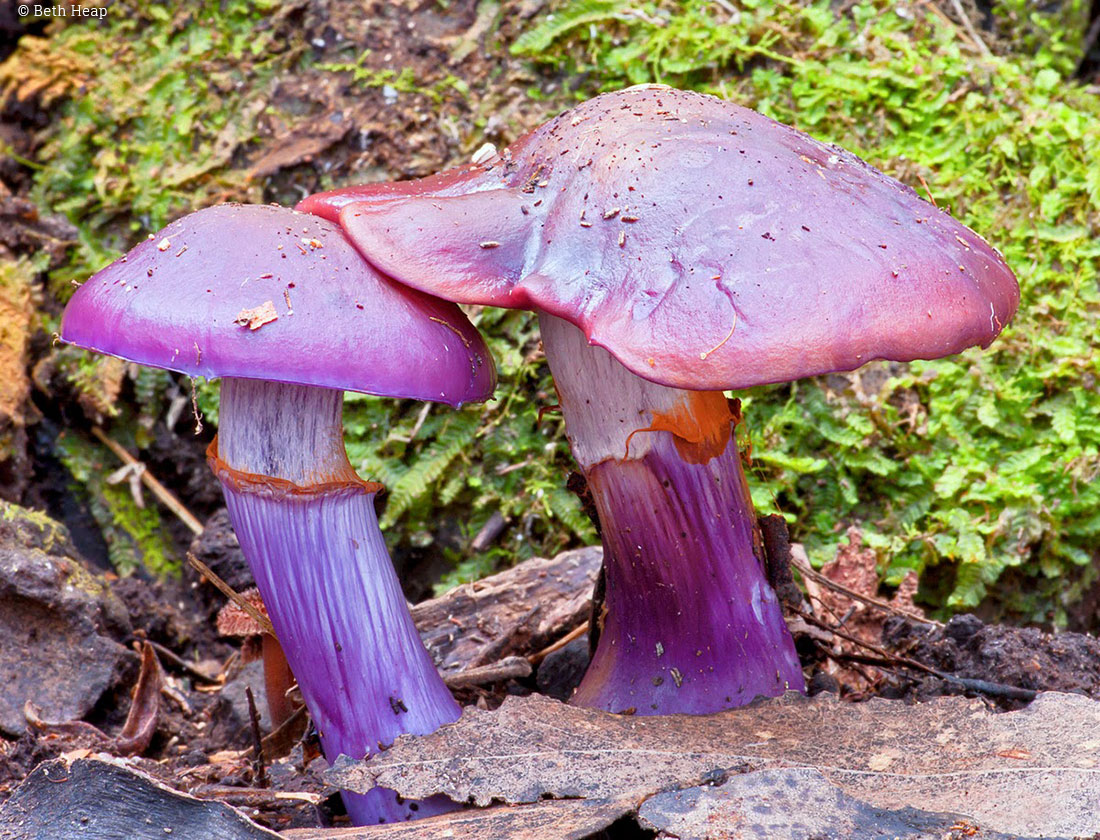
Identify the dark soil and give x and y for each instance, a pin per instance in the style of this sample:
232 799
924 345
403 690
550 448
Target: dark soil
1022 657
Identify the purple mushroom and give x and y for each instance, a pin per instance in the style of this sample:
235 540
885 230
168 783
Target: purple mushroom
280 307
675 246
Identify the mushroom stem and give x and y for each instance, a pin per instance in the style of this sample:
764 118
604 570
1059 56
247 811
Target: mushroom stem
278 679
692 625
307 526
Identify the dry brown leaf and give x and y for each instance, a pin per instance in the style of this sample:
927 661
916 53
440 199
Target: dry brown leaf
856 568
942 756
141 720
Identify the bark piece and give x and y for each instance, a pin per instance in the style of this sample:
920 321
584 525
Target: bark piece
792 804
518 611
103 799
1034 771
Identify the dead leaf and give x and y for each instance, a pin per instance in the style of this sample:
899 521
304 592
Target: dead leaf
302 143
141 721
855 567
534 746
789 803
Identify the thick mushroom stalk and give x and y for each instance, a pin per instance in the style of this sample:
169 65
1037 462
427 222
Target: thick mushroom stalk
279 306
307 525
692 624
706 248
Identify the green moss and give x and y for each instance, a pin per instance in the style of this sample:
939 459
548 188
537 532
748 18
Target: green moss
135 536
153 106
463 466
49 532
967 466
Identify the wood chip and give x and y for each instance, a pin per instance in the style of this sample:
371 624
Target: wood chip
255 318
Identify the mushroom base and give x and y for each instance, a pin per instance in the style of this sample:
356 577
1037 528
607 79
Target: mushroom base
692 625
338 610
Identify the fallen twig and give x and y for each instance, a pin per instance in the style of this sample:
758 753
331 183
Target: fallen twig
259 774
801 562
575 633
165 495
511 667
252 797
230 593
178 662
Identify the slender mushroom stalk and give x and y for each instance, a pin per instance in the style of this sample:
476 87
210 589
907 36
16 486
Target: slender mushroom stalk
278 678
306 522
187 300
703 247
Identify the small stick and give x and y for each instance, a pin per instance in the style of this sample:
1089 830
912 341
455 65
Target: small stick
253 797
165 495
230 593
176 661
492 529
808 571
258 772
278 743
969 27
508 668
575 633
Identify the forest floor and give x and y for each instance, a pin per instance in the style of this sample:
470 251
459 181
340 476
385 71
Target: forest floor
161 688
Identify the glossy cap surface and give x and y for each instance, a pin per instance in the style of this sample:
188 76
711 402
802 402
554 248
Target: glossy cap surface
262 292
704 245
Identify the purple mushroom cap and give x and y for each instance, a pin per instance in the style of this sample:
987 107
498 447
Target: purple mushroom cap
263 292
704 245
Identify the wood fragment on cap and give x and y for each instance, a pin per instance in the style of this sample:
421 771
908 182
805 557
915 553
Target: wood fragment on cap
255 318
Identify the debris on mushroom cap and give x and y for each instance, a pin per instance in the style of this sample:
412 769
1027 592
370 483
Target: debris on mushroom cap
755 254
234 621
198 308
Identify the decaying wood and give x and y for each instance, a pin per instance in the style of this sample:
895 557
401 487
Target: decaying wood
509 668
517 612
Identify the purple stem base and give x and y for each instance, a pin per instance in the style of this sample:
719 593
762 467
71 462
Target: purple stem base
692 625
326 578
